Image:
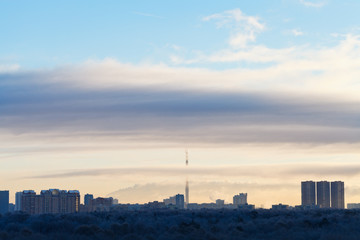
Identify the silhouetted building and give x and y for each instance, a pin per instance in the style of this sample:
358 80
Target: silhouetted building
50 201
4 202
220 203
154 205
337 195
170 201
11 207
18 201
101 204
179 201
240 199
353 205
279 207
73 201
88 198
307 207
27 202
323 194
246 207
308 193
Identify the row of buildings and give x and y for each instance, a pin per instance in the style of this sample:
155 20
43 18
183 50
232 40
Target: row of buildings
323 194
48 201
177 201
53 201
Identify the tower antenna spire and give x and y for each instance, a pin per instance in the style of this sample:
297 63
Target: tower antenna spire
187 182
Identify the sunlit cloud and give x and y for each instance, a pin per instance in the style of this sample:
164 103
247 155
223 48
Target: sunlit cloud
243 28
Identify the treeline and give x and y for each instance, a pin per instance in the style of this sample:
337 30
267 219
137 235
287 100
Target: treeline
177 224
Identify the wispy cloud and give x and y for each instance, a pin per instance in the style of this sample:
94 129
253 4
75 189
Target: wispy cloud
290 171
297 33
148 15
316 4
243 28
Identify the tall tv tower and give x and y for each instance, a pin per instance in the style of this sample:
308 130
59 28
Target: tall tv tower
187 182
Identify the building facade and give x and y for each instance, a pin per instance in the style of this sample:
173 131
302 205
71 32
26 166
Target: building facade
4 202
240 199
220 203
353 206
18 201
50 201
170 201
101 204
308 193
323 194
337 195
179 201
27 202
88 198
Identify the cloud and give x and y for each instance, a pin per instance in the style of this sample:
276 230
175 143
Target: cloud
111 100
5 68
104 105
297 33
256 54
243 31
316 4
279 171
148 15
314 69
243 28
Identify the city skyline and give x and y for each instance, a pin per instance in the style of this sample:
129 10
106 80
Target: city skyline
314 195
105 97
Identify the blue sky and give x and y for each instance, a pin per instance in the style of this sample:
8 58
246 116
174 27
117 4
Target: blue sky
105 96
41 34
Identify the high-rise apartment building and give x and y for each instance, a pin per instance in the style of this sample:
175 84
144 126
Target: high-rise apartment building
240 199
179 201
337 195
4 202
50 201
27 202
18 201
88 198
308 193
101 204
323 194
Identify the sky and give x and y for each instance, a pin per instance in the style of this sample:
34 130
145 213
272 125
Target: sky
106 96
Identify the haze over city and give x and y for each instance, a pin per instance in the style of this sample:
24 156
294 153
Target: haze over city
106 97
